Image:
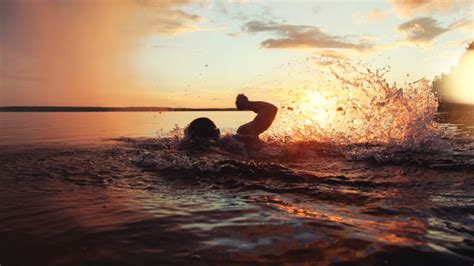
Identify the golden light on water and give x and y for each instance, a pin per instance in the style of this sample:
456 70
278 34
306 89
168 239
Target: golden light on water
386 231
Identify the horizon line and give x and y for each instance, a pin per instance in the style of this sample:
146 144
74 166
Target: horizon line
60 108
64 108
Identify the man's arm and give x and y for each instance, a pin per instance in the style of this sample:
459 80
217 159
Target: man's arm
266 113
260 107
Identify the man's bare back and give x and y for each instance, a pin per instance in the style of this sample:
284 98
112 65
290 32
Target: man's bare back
266 113
203 130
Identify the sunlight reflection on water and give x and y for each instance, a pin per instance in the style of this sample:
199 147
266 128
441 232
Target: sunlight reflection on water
121 204
91 127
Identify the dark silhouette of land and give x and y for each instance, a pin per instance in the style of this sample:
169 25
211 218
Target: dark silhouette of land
444 106
447 107
103 109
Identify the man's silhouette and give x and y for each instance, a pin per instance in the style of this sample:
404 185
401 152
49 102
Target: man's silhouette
203 129
266 113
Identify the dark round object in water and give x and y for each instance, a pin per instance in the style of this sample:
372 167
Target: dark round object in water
202 128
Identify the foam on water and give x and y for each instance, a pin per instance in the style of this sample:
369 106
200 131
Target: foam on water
322 186
344 109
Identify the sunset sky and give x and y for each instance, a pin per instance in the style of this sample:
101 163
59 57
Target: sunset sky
202 53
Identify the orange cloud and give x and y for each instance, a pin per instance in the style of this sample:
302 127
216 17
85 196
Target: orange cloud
426 29
377 15
331 54
301 36
78 52
408 8
164 17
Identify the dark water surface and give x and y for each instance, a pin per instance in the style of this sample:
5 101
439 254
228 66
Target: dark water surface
45 128
70 197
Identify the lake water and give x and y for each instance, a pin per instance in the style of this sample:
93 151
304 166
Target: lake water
115 189
78 127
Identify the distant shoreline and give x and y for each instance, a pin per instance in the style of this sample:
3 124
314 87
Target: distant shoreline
104 109
454 107
442 107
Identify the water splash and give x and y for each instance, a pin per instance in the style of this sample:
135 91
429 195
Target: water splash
350 103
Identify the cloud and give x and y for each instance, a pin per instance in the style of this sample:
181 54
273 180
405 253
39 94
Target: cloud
331 54
465 24
426 29
80 51
164 17
301 36
408 8
421 30
377 15
19 76
234 34
170 22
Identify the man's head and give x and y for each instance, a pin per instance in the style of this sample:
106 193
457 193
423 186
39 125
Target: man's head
241 101
202 129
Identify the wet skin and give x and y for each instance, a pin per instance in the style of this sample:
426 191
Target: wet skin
266 113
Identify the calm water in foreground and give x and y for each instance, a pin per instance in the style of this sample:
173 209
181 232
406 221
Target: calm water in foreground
104 189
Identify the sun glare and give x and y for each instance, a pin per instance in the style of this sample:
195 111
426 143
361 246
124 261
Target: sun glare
461 84
353 104
316 107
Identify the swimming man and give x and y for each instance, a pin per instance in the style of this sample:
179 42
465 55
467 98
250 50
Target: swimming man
203 129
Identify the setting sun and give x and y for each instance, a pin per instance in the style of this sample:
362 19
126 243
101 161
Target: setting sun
236 132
